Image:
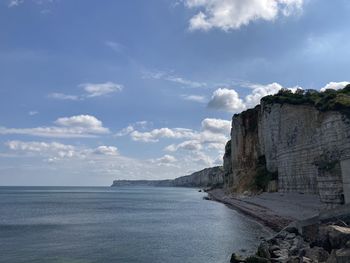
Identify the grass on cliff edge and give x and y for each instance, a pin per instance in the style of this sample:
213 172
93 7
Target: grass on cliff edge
338 100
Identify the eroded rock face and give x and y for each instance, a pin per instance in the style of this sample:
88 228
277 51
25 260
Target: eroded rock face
245 150
209 177
309 149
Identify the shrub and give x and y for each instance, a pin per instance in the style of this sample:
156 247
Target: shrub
338 100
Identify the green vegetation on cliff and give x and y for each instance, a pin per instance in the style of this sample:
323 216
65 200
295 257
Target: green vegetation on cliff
338 100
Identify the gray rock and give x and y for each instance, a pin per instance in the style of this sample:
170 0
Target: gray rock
294 260
347 244
332 257
338 236
291 236
317 254
292 229
281 255
274 248
343 255
282 234
257 259
306 260
299 142
236 258
263 250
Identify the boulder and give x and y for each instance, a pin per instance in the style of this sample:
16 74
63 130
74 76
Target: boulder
294 260
257 259
343 255
273 248
263 250
322 239
338 236
306 260
290 236
297 246
280 255
236 258
292 229
332 257
316 254
310 232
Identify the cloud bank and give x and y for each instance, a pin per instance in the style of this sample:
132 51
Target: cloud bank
233 14
91 90
79 126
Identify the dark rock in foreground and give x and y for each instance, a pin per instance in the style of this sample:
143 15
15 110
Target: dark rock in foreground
324 238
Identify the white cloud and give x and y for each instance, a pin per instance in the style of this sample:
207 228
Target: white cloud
100 89
260 91
53 149
166 159
117 47
335 85
202 159
127 130
193 145
160 75
33 112
91 90
87 123
195 98
216 125
61 96
52 162
198 148
106 150
66 127
207 143
156 134
14 3
232 14
141 125
227 100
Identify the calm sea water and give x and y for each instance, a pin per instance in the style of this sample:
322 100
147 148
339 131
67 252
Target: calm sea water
128 224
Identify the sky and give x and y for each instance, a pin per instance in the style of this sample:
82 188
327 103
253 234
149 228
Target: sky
93 91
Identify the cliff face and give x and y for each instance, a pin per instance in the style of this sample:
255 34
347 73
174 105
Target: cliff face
161 183
209 177
308 150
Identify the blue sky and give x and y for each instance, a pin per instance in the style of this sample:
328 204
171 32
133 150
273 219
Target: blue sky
93 91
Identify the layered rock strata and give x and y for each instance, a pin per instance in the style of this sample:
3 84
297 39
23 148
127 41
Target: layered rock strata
307 149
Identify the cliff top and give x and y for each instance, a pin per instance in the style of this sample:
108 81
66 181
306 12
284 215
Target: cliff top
337 100
328 100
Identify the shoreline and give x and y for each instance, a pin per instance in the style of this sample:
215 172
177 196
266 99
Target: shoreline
273 210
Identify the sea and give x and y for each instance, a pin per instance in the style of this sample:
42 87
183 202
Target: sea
120 224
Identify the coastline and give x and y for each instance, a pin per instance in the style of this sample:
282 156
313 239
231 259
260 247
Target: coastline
299 237
274 210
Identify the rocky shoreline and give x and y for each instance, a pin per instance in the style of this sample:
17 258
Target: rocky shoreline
274 210
272 221
330 244
324 237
